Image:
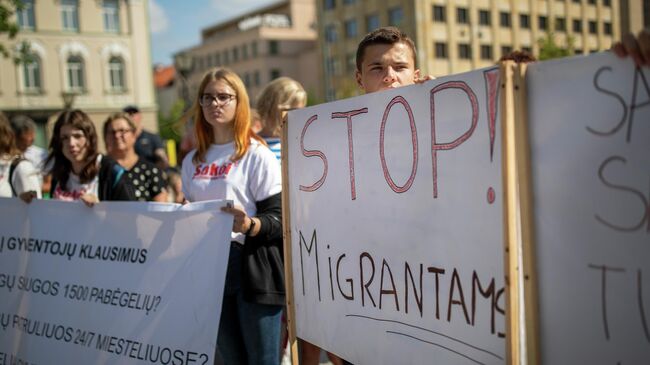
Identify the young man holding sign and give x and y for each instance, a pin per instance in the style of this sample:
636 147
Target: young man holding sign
386 58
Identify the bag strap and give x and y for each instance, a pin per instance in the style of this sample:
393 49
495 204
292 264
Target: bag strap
12 168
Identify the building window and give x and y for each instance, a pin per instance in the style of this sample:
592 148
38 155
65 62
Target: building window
254 49
441 50
577 1
524 21
464 51
226 57
330 33
484 17
527 50
607 28
70 15
372 22
349 2
247 80
461 16
329 4
351 28
274 47
395 16
75 72
244 51
32 74
592 2
350 62
504 19
593 27
439 13
505 50
577 25
116 73
543 22
235 53
560 24
486 52
111 16
332 66
217 59
25 15
256 78
607 2
274 74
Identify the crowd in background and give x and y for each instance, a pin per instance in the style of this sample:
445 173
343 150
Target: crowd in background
235 156
233 139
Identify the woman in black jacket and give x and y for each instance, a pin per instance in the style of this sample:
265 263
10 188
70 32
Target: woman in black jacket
79 172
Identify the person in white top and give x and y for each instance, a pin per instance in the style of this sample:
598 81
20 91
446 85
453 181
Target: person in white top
18 176
231 162
79 172
25 132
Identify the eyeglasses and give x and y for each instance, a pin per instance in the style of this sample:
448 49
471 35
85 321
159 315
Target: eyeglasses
221 99
119 132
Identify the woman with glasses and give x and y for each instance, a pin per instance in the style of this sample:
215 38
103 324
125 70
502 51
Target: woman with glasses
79 172
231 162
147 180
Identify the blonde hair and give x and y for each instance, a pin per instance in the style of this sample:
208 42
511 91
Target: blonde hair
279 95
241 126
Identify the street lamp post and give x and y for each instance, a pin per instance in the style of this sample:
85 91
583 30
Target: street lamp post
68 99
184 66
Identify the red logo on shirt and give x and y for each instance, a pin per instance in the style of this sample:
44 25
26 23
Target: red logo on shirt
60 194
212 171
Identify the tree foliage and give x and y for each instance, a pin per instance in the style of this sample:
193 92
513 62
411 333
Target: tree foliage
549 49
9 27
170 126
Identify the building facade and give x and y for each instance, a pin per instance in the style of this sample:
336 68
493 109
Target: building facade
454 36
88 54
273 41
635 15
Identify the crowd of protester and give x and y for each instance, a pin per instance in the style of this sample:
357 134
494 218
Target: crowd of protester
229 138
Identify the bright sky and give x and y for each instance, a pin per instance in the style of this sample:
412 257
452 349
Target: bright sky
176 25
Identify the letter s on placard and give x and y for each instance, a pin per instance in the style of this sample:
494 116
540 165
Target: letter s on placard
312 153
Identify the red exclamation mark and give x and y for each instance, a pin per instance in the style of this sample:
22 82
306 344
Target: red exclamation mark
492 94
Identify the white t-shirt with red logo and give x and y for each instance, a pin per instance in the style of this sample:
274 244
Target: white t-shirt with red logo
76 189
255 177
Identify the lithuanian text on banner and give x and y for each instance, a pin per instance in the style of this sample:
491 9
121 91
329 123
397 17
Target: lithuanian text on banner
116 283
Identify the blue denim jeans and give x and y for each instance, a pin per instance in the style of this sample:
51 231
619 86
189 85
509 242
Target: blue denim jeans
249 333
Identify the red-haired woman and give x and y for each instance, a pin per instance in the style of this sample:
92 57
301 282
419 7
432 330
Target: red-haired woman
79 171
231 162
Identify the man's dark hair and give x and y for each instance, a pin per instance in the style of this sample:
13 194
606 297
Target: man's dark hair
22 124
383 35
131 109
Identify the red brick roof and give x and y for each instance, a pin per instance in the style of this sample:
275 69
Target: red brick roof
163 76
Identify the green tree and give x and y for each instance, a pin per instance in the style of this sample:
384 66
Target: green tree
549 49
7 26
170 125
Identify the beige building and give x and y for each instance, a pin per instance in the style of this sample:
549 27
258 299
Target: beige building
454 36
635 15
273 41
90 54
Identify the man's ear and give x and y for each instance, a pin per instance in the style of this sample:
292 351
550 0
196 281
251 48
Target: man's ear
416 75
357 76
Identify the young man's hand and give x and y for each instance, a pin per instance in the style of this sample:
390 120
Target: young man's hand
638 48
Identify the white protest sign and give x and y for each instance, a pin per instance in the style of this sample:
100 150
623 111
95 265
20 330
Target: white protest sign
589 121
396 224
116 283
